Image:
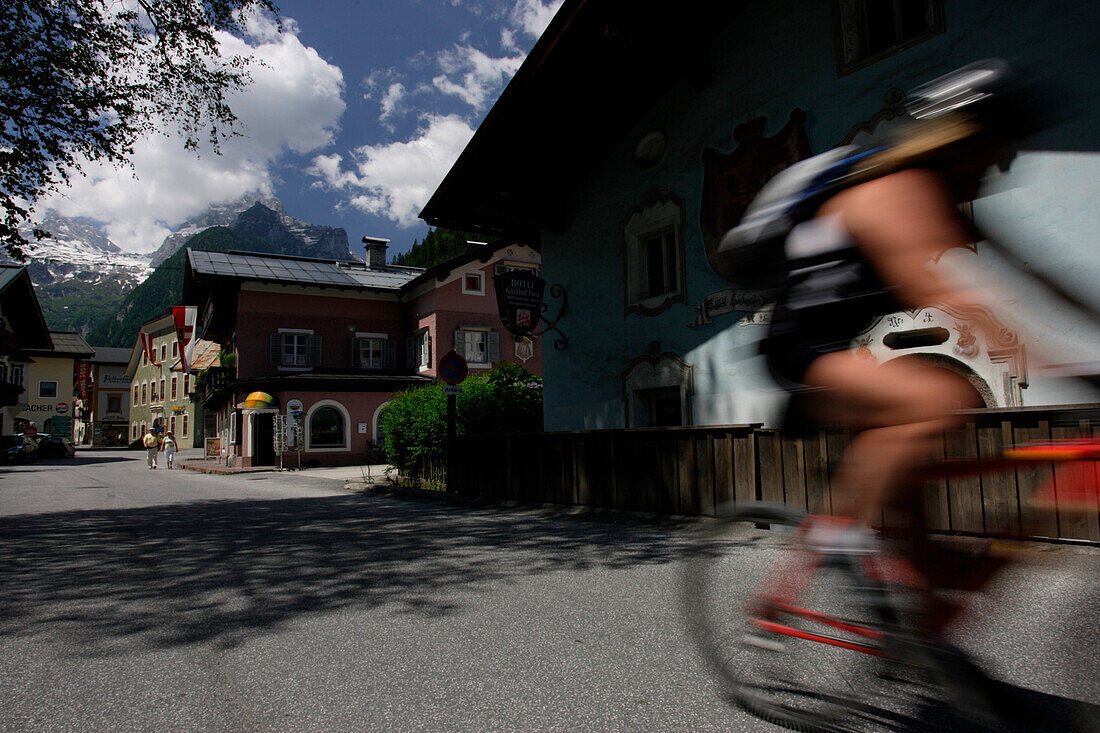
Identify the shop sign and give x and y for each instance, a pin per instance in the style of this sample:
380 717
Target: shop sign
293 406
519 300
62 408
83 379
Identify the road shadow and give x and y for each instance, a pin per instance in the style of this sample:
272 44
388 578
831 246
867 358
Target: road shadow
220 571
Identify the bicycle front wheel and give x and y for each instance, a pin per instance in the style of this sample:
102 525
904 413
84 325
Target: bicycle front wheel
758 608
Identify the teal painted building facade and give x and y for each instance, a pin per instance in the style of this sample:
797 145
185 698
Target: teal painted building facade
682 348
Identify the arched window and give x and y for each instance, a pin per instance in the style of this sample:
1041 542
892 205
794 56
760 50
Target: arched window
327 427
378 433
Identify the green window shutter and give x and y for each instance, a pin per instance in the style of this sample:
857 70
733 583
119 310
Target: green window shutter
460 343
389 354
275 348
494 347
410 352
315 350
354 346
427 348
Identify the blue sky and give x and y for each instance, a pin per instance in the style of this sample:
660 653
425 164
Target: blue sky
357 112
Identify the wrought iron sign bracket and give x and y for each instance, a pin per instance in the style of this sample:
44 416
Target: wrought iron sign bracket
551 324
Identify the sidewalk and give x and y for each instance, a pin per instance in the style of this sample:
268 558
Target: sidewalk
364 473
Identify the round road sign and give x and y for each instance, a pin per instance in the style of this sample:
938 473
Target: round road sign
453 368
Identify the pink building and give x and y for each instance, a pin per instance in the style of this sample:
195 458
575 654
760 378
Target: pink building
332 342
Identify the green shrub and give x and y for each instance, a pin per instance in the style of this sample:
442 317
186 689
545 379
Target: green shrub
508 399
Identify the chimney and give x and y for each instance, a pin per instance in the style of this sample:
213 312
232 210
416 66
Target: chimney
376 252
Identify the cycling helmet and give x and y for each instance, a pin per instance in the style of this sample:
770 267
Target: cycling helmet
996 95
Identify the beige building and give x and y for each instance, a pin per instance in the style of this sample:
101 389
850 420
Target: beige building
49 380
107 414
160 393
22 327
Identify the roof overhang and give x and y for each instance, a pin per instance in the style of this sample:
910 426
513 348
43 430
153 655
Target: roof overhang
591 77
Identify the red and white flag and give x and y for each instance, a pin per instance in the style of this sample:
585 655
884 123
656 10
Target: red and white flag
184 317
148 348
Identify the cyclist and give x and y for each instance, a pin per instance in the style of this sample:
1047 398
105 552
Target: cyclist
864 251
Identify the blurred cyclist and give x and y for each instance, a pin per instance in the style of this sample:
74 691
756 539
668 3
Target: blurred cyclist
871 223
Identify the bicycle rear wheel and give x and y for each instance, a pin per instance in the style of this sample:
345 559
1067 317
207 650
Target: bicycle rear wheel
733 581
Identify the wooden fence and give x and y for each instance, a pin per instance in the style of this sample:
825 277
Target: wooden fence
694 470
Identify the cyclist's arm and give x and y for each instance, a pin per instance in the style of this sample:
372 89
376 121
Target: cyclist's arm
901 223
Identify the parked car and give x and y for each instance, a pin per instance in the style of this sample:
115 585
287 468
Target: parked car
55 446
18 449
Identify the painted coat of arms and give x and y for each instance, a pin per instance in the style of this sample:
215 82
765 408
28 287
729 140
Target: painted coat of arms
732 180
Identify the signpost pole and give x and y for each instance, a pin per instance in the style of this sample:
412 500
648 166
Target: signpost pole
451 399
452 370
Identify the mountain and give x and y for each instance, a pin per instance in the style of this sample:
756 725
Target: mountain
80 275
259 228
86 283
288 235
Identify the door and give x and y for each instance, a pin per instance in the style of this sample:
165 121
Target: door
263 440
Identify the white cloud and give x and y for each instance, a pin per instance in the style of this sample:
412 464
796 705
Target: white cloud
391 98
532 16
295 103
396 180
479 75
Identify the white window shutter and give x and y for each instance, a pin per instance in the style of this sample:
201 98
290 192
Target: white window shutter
460 343
494 346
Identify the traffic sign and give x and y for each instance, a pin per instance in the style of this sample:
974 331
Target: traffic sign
453 368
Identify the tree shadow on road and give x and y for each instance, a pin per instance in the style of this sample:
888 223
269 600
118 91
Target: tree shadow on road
220 571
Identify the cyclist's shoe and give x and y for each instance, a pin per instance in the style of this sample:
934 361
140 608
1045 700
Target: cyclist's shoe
825 535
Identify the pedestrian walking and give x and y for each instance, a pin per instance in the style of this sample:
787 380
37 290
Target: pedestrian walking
169 448
151 447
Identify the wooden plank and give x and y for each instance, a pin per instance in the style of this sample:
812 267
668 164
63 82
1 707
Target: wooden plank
1000 506
836 442
770 465
1034 522
580 461
1073 524
816 455
723 469
685 462
964 492
744 467
794 471
704 473
670 485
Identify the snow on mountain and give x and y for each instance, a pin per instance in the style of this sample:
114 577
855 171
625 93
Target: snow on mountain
79 249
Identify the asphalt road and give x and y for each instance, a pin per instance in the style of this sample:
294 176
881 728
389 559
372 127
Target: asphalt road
135 600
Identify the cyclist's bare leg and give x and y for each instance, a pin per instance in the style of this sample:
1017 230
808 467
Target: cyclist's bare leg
898 411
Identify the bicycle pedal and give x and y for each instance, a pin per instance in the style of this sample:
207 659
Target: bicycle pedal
765 642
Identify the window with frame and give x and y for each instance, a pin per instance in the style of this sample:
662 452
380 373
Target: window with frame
186 384
145 358
114 403
17 375
174 387
47 388
137 391
327 428
295 349
369 352
473 283
163 352
133 431
479 346
653 257
144 395
420 351
175 349
172 425
184 418
162 386
869 30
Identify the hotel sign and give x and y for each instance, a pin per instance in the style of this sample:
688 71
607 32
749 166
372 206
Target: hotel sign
519 300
